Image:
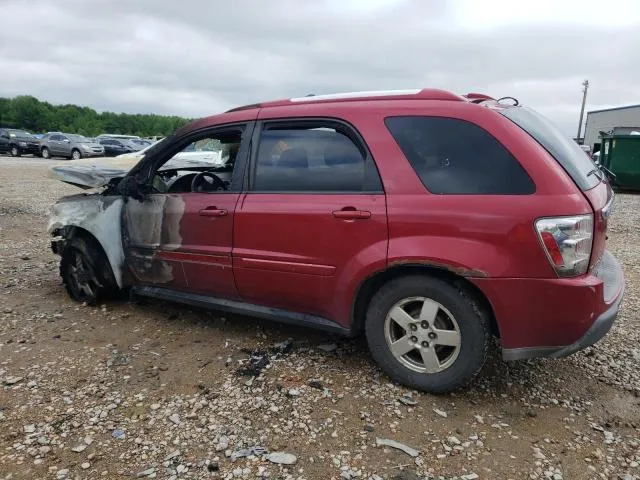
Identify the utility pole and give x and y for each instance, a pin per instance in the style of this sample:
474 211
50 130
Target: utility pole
585 84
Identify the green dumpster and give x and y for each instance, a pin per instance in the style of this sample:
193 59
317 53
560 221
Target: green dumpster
621 155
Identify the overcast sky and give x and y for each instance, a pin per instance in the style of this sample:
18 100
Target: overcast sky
199 57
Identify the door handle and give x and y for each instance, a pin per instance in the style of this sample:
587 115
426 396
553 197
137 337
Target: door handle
351 214
212 212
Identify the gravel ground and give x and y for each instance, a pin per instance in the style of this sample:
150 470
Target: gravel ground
156 390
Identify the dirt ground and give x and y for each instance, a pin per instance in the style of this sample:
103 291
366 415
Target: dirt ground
152 389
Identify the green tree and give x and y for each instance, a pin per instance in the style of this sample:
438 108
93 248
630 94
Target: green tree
31 114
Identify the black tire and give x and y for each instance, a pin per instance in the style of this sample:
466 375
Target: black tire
472 322
76 154
45 153
14 151
86 273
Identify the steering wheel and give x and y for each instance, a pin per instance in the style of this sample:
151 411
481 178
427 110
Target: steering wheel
207 182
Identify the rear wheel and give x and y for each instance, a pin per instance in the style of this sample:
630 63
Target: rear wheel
45 153
86 272
14 151
427 334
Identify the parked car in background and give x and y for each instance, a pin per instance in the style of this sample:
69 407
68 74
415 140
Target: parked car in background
117 135
426 220
114 146
18 142
141 142
69 145
134 144
137 153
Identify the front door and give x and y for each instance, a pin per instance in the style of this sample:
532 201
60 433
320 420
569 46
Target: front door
55 144
65 146
181 236
315 214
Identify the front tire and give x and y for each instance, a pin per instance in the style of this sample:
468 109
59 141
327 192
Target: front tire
14 151
86 272
46 154
427 333
76 154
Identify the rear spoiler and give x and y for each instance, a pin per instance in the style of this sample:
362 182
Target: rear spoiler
478 97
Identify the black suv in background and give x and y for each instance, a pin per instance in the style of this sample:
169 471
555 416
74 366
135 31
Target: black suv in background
18 142
116 146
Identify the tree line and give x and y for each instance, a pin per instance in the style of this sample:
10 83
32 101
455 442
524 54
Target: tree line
29 113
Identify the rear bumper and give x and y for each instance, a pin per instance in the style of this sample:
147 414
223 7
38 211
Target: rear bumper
555 317
598 329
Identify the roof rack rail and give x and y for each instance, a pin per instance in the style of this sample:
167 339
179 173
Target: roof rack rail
417 93
406 94
244 107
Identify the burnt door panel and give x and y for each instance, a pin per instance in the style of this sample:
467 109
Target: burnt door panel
151 230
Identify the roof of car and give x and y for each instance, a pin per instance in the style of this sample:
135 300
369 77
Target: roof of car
374 97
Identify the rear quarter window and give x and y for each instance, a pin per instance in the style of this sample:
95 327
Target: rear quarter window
456 157
567 153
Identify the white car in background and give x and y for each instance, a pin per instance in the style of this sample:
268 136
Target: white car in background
201 153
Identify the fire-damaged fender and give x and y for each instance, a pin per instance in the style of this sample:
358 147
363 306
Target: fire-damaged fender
97 215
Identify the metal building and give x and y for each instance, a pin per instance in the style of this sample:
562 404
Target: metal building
621 118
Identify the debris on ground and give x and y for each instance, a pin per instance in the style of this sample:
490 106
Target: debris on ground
397 445
282 458
327 347
247 452
442 413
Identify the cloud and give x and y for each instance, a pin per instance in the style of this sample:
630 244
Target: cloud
198 57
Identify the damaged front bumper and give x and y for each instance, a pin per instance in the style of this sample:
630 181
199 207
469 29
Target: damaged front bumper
97 216
58 243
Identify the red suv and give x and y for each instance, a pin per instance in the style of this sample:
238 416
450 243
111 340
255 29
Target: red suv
427 220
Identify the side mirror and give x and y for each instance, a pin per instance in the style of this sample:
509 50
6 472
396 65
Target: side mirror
66 140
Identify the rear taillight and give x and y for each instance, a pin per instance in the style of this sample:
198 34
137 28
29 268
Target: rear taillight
567 242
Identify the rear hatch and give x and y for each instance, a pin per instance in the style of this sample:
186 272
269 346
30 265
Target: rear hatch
578 165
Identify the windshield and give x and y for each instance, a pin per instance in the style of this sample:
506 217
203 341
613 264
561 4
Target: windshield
78 138
19 133
567 152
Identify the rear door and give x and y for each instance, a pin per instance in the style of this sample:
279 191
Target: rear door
314 214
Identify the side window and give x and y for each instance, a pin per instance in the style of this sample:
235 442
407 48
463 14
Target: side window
308 157
453 156
56 138
202 163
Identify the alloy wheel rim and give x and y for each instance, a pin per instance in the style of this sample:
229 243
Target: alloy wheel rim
422 335
81 278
